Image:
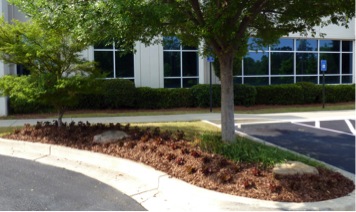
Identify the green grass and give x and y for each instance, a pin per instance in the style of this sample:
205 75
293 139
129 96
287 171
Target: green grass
191 130
249 151
7 130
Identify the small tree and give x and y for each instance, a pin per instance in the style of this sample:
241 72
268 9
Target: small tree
58 73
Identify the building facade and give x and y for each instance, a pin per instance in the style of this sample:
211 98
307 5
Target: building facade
173 65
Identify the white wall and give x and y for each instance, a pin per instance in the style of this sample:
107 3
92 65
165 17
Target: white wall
148 66
3 68
333 32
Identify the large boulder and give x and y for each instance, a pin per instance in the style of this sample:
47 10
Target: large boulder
110 136
294 167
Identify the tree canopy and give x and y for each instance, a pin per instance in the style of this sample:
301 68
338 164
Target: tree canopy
224 26
58 73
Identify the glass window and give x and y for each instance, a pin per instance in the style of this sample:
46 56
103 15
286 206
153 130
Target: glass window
189 82
330 45
333 62
307 63
112 62
347 63
172 64
346 79
22 70
330 80
181 63
347 46
282 63
282 80
307 45
256 63
312 79
190 64
256 80
283 45
255 44
105 60
172 83
124 65
237 80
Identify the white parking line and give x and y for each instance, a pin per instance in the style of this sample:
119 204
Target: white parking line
321 128
351 127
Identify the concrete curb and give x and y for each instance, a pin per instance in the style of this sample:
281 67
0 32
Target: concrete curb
153 189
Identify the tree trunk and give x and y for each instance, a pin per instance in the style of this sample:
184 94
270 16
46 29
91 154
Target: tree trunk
227 97
60 116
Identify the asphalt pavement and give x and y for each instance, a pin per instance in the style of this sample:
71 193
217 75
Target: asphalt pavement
31 186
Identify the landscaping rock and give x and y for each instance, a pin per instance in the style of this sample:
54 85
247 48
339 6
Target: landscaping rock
294 167
109 136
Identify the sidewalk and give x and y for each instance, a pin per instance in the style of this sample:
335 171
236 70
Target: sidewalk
156 190
349 114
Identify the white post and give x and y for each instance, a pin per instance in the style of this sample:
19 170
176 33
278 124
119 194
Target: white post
3 100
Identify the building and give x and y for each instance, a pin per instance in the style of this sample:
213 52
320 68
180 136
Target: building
294 59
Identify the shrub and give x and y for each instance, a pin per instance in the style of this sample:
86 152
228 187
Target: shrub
156 98
201 95
112 94
339 93
119 93
21 106
312 93
244 95
279 94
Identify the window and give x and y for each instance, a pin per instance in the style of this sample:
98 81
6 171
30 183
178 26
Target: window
113 62
296 60
256 63
181 64
21 70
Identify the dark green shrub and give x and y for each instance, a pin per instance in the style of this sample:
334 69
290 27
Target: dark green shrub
339 93
119 93
244 95
201 95
111 94
312 93
21 106
176 97
157 98
279 94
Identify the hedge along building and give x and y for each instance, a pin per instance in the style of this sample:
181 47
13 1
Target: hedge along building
296 58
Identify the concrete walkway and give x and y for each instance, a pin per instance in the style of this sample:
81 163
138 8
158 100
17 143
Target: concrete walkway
193 117
153 189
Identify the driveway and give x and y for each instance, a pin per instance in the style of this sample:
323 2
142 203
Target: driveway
30 186
330 141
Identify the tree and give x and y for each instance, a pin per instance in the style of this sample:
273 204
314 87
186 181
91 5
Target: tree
224 26
58 74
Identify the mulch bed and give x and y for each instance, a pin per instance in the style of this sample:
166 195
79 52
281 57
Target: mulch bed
171 153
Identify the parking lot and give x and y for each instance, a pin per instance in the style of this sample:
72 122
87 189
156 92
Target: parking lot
330 141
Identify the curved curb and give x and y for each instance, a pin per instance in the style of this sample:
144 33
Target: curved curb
154 189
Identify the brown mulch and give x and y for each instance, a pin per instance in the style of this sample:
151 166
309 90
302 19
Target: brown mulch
171 153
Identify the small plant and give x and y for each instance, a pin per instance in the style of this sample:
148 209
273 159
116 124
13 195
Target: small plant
190 169
248 184
170 156
256 172
225 176
206 159
195 154
180 161
185 151
275 188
